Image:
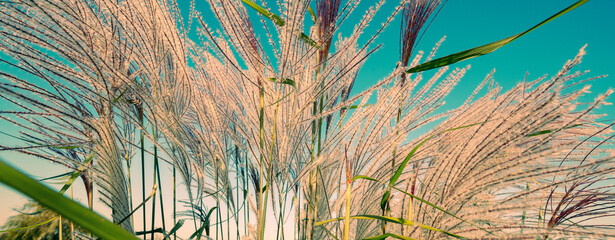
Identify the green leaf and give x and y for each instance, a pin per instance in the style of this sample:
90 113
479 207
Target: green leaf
312 13
178 225
140 205
487 48
39 144
76 173
384 236
422 200
549 131
198 233
157 230
69 209
120 96
355 106
60 176
309 41
402 166
391 220
67 147
31 226
283 81
279 21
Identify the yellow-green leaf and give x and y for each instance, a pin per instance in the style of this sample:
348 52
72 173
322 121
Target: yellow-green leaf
487 48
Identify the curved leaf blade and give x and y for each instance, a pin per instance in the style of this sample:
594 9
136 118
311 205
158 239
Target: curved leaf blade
391 220
279 21
76 173
275 18
31 226
286 81
384 236
424 201
69 209
487 48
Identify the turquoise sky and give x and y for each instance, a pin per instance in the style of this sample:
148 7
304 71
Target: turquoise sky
467 24
472 23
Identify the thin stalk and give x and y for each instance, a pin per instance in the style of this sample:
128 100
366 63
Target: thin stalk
143 173
259 192
154 202
91 198
298 213
160 190
129 190
310 197
60 227
228 218
268 183
174 202
72 226
347 214
346 232
237 167
218 209
246 187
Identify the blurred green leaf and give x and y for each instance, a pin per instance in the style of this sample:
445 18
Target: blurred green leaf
69 209
31 226
312 13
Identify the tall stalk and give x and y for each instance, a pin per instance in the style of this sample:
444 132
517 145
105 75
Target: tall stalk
174 201
259 192
142 149
154 179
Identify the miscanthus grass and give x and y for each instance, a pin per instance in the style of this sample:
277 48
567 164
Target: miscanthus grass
266 138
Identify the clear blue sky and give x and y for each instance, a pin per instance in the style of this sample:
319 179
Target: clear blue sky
471 23
467 24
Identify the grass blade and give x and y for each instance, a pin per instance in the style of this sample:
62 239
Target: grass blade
59 176
384 236
179 224
140 205
283 81
274 18
424 201
487 48
402 166
73 211
391 220
31 226
551 130
76 174
279 21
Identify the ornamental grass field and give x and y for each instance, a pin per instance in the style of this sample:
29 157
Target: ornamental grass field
252 130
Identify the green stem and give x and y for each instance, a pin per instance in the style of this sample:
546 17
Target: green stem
270 172
60 227
174 202
259 192
160 190
154 201
143 175
347 215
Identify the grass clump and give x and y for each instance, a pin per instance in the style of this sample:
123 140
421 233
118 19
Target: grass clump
267 138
